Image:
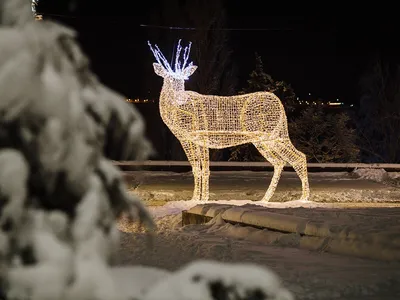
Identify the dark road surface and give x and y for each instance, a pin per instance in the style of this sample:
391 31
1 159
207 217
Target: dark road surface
247 185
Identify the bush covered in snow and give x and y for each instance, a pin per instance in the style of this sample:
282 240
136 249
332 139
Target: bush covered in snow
378 175
61 194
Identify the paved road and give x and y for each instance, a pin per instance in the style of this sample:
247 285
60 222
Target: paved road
247 185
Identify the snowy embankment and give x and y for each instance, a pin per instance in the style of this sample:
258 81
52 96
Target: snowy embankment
350 229
308 274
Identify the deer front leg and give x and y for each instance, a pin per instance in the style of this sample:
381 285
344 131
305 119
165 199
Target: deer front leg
205 172
193 155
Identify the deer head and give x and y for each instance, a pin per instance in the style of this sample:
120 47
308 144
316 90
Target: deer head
181 71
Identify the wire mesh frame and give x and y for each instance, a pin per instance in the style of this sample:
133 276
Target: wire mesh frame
203 122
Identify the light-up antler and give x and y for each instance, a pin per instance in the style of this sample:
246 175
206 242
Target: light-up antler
186 52
179 68
160 57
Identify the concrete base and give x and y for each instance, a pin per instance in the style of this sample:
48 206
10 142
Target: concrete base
313 235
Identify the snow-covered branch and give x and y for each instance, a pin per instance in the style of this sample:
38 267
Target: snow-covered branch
60 194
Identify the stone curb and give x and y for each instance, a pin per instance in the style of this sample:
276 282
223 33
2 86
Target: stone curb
314 235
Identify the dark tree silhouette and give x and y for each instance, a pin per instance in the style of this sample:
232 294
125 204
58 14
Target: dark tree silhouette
324 136
259 81
379 113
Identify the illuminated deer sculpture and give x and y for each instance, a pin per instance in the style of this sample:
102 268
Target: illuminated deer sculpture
203 122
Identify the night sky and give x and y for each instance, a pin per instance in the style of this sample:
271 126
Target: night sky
323 54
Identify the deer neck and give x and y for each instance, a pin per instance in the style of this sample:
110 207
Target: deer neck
168 97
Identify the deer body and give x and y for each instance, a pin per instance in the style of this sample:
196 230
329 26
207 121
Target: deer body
220 122
201 122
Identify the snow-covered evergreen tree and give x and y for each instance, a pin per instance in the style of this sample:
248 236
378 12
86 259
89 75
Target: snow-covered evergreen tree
379 113
60 194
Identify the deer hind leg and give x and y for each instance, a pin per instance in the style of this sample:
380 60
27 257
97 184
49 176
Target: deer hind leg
205 172
192 152
278 163
298 161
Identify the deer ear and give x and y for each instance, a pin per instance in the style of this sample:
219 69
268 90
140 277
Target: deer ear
189 70
159 69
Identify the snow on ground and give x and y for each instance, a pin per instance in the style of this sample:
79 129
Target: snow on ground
378 175
176 207
337 197
144 279
308 274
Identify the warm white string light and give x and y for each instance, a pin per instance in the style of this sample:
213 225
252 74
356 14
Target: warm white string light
203 122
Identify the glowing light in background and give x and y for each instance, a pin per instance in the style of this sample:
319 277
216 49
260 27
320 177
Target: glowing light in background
139 101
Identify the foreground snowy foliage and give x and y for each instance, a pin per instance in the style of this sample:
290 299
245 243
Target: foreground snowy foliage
61 194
